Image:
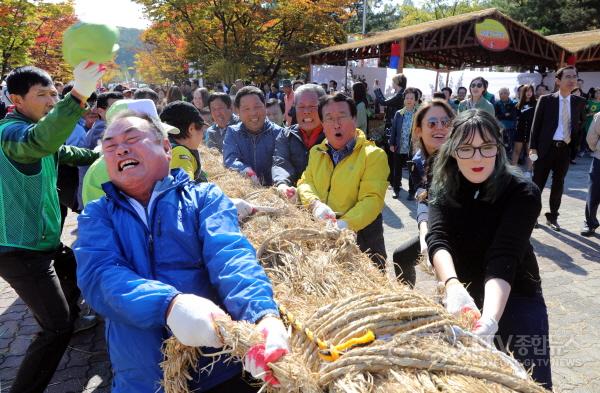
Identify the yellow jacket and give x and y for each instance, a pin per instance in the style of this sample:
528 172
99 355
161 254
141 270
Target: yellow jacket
182 157
354 189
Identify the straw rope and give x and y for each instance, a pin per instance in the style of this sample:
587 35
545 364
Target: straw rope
332 296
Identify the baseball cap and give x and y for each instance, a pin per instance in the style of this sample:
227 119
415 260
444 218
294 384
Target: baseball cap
144 106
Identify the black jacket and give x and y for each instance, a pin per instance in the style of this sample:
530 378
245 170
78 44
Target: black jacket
290 156
489 240
545 121
525 118
392 105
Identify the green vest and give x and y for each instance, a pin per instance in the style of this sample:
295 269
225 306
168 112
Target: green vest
29 207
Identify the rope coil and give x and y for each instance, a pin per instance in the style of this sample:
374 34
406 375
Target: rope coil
327 351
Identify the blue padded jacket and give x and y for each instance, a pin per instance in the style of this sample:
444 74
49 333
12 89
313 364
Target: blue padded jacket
129 272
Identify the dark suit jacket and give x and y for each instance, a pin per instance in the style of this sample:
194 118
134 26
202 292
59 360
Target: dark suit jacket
545 121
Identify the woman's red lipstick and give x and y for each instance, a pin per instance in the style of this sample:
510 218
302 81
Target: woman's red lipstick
478 169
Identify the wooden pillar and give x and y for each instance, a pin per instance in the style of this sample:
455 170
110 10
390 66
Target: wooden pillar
310 62
346 73
401 61
447 77
562 59
437 79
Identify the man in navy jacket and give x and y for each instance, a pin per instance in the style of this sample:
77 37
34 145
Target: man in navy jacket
556 126
248 146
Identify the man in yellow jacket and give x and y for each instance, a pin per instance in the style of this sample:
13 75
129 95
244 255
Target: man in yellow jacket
346 177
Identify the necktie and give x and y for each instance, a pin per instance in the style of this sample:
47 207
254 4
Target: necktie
566 121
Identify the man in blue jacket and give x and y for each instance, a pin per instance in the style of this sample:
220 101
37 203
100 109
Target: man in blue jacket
161 254
248 146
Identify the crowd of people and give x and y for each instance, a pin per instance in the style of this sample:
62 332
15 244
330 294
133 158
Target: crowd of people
159 248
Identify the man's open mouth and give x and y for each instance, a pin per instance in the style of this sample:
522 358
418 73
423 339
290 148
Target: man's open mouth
127 164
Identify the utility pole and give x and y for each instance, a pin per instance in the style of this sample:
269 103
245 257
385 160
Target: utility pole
364 17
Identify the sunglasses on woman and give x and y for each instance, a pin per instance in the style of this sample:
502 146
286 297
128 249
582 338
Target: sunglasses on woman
444 122
479 84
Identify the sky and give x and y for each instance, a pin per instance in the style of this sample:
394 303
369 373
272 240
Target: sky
123 13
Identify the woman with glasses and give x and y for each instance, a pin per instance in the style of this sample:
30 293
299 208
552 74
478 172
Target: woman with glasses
477 100
431 126
481 215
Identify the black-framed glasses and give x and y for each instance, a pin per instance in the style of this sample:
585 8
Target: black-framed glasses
444 122
466 152
478 84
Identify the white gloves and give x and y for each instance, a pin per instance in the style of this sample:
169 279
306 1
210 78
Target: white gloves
458 301
191 321
244 208
249 172
486 328
288 192
86 75
322 212
275 346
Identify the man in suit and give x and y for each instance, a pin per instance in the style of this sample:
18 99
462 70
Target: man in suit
556 124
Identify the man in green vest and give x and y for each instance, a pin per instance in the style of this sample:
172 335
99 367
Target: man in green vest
31 141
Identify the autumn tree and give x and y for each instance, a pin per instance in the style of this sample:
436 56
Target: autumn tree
438 9
163 56
31 33
261 38
17 32
53 20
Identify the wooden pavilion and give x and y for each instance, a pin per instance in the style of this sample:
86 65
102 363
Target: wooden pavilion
453 43
585 46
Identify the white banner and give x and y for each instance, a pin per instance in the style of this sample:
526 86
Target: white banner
425 79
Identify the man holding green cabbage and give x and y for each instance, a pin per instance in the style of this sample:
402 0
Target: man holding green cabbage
32 137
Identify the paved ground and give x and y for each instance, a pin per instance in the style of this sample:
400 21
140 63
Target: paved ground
569 264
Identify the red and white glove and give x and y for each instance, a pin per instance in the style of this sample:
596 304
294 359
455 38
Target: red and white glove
288 192
249 172
243 207
458 301
86 75
322 212
486 328
275 346
191 321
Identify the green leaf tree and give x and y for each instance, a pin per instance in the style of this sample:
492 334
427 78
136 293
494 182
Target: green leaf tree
17 32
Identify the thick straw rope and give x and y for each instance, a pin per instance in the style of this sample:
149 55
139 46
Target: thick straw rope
334 291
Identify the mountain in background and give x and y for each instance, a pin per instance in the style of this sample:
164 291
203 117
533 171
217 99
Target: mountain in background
129 43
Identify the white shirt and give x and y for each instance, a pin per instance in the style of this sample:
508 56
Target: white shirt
142 211
559 134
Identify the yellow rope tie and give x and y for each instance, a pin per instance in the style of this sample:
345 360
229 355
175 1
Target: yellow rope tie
327 351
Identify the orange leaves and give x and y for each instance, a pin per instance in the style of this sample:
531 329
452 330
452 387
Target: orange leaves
31 33
164 56
53 20
254 36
